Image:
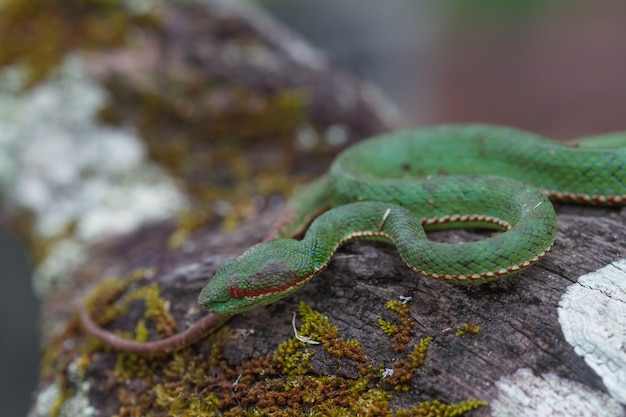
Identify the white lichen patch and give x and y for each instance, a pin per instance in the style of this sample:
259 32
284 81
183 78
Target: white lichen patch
78 405
72 173
63 257
526 395
592 314
46 399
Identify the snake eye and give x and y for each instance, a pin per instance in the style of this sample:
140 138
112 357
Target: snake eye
237 292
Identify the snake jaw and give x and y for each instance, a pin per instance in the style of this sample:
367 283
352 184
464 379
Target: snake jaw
214 300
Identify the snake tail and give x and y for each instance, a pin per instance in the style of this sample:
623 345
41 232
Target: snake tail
205 326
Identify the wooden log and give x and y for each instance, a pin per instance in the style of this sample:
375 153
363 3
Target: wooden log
513 343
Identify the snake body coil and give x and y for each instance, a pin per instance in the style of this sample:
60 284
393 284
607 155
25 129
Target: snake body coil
394 186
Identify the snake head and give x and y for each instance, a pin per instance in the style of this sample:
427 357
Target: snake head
262 275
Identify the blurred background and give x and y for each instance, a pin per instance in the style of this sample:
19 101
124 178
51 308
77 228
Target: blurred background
548 66
553 67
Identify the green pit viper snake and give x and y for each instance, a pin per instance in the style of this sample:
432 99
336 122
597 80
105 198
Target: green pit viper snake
394 186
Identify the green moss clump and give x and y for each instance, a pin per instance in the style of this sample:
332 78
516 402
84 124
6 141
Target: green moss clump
437 408
194 383
387 327
317 327
42 32
400 333
225 140
471 328
282 384
403 369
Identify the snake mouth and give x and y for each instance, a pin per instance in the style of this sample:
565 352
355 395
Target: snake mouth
236 299
260 293
213 302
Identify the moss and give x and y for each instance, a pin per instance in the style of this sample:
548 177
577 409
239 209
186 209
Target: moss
156 309
290 358
387 327
317 327
289 388
192 383
102 298
400 333
419 352
187 221
208 133
437 408
471 328
42 32
191 407
226 141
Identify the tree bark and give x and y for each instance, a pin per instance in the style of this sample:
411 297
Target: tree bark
481 337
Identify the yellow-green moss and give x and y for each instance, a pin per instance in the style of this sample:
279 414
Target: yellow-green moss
468 328
191 406
102 299
398 307
400 333
283 384
403 369
191 383
290 358
208 133
223 154
156 309
438 408
419 352
42 32
81 365
387 327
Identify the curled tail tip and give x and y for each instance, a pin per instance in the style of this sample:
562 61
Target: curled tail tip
151 349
